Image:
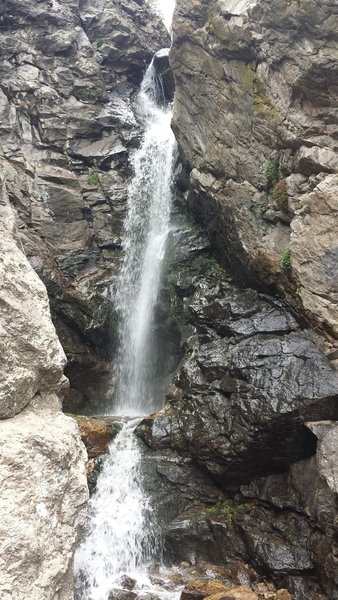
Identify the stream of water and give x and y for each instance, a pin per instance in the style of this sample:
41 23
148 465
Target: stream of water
146 232
121 535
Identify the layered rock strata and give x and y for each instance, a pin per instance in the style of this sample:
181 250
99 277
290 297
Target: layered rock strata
68 76
255 117
42 465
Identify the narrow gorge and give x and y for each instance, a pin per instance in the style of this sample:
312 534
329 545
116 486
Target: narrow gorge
169 300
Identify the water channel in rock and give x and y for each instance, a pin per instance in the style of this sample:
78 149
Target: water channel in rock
122 541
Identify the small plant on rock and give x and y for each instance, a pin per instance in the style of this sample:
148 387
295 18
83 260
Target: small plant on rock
228 507
280 195
271 171
285 261
93 178
304 200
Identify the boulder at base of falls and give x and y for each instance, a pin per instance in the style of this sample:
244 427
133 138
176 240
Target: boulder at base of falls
42 464
42 503
285 525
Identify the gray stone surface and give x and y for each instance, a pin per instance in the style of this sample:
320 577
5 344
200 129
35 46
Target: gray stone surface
32 359
43 501
255 113
42 464
69 75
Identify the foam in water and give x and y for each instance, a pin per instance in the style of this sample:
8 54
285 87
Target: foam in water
120 536
146 231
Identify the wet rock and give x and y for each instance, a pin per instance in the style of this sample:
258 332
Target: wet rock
128 582
97 433
249 372
165 74
239 402
117 594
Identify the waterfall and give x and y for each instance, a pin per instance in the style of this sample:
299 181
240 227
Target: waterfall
146 232
121 537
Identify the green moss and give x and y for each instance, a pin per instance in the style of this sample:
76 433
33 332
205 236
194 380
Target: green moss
100 42
209 261
285 261
228 507
271 171
93 178
280 195
304 200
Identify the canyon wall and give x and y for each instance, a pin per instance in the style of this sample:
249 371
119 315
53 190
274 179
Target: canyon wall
255 115
42 465
69 72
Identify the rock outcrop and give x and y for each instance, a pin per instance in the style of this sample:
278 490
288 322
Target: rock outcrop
69 73
255 114
42 464
248 384
248 381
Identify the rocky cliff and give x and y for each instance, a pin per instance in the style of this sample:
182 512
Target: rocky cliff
69 72
255 115
42 465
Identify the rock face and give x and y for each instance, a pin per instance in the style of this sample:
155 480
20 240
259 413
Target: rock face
42 465
32 357
255 112
68 77
43 500
249 382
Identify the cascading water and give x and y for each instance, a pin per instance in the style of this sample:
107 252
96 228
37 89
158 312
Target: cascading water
146 232
121 535
120 538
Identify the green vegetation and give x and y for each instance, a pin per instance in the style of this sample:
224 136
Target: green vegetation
93 178
228 507
304 200
83 95
209 261
271 171
285 261
101 41
298 291
280 195
197 502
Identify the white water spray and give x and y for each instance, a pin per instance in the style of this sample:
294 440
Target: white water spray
119 539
